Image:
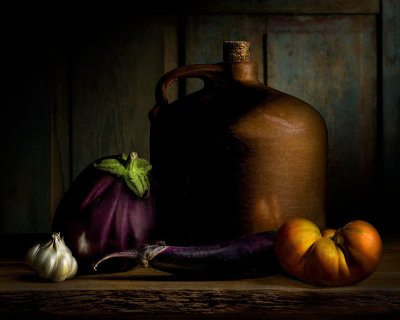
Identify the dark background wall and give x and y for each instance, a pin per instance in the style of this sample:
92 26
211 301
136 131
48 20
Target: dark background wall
78 83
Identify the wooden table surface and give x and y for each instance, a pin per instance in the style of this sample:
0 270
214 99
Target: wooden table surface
147 293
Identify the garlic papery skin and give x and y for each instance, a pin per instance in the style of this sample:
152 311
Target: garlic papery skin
52 260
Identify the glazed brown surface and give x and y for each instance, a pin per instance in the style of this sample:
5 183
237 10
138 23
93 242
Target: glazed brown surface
236 157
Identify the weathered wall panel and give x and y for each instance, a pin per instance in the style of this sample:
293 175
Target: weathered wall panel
60 125
25 139
205 34
267 6
114 72
391 105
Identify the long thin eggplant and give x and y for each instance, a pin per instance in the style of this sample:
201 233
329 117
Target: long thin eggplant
251 256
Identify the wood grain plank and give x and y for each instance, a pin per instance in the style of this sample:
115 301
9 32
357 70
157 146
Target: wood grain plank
269 7
204 36
60 124
25 133
115 68
171 53
391 106
330 62
200 302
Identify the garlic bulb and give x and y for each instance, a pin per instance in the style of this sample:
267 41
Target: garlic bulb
52 260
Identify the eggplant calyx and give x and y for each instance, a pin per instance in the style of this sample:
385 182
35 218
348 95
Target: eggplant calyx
133 169
148 252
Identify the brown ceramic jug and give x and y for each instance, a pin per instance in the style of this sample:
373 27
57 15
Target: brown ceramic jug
235 157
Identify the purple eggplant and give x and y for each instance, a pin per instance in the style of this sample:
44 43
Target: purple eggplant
108 207
251 256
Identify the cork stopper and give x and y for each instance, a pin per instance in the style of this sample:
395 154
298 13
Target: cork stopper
236 51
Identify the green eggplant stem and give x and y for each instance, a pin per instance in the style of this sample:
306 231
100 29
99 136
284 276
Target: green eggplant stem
132 169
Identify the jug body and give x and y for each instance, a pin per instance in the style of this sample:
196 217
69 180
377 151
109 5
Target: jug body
236 158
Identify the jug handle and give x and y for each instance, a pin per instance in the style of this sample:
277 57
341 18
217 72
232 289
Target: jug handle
209 73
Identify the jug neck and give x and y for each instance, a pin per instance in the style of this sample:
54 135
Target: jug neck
242 72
